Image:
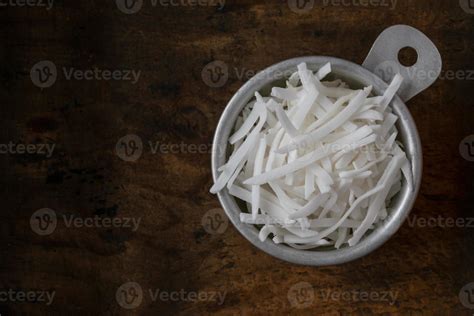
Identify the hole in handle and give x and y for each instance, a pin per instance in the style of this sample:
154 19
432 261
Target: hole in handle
407 56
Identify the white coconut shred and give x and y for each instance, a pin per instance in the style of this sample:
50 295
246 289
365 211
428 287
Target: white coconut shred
316 162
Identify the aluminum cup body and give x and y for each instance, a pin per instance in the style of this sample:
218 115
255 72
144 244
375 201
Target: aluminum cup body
357 77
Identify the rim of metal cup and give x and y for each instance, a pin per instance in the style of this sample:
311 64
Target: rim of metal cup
401 204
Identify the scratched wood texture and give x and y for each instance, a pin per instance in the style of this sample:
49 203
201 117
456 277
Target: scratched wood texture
168 192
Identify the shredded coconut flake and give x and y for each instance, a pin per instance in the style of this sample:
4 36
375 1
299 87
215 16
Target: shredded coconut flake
316 162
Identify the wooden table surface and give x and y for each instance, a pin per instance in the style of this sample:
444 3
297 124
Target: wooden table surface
180 265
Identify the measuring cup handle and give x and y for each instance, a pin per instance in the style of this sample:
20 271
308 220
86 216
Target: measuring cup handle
382 59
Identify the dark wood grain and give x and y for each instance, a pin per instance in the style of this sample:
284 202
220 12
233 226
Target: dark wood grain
168 192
